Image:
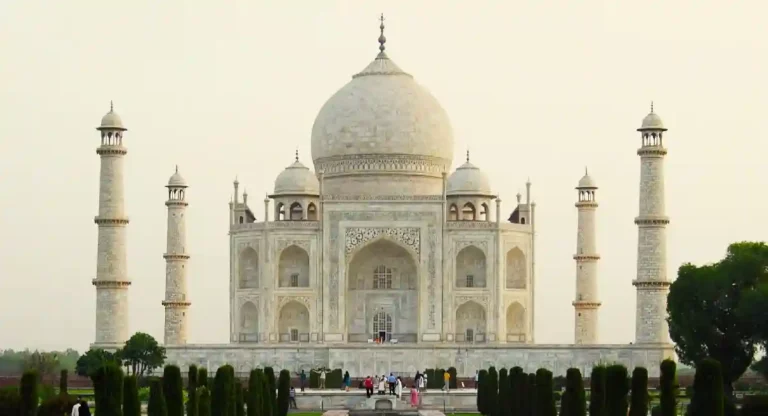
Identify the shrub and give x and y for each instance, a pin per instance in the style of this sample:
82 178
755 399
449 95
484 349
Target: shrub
707 397
755 406
597 391
269 373
505 403
492 396
640 399
63 382
131 402
192 391
239 399
453 382
173 390
545 401
56 405
28 393
574 400
255 390
10 401
482 388
108 389
156 405
221 392
268 405
233 382
202 378
530 394
616 389
204 402
283 390
668 386
515 380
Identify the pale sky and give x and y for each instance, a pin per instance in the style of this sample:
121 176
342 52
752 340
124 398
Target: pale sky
534 89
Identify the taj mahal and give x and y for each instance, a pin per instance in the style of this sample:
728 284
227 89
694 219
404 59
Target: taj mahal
375 257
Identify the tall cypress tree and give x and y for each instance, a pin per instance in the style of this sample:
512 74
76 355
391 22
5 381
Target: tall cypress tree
597 391
708 398
525 399
108 389
221 393
283 391
272 384
616 389
173 390
574 399
63 382
545 399
131 402
640 399
202 379
232 409
531 395
268 406
239 398
156 405
192 397
493 392
28 391
505 406
482 388
668 386
255 391
204 401
516 391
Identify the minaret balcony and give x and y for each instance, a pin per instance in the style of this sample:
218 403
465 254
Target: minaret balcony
278 225
652 220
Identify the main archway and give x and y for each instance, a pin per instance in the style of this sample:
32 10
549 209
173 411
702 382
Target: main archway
382 293
293 322
470 322
249 323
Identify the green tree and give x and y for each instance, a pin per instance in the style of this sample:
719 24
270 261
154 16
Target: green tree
239 398
616 390
173 390
92 359
10 402
255 390
492 396
574 398
708 386
268 406
668 386
545 400
44 363
640 398
108 389
202 378
272 384
142 354
505 406
204 403
28 391
131 402
516 391
222 392
192 397
283 391
706 314
156 405
63 376
597 391
530 395
482 389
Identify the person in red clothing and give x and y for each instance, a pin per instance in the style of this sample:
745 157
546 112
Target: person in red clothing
368 383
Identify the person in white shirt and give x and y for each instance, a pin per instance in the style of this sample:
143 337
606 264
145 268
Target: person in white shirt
75 409
322 378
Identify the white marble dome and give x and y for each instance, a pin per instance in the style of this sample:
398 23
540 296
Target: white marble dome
297 179
383 116
176 180
652 122
111 121
468 179
586 182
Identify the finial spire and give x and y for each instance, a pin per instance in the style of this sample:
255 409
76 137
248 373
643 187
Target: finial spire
586 171
382 39
177 168
651 106
467 155
111 107
297 154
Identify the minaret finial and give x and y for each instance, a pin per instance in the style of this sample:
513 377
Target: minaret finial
467 155
177 168
586 171
297 154
651 106
382 39
111 107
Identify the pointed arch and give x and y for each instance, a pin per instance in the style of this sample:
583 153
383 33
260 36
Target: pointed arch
471 268
248 269
312 212
485 212
249 322
293 267
296 212
453 213
293 322
515 322
280 212
470 322
517 269
468 212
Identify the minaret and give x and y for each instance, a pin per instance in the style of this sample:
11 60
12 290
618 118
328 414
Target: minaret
586 304
176 303
651 283
111 273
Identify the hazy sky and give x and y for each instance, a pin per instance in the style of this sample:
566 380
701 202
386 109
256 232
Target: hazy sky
535 89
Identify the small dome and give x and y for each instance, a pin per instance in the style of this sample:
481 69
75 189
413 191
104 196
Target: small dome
586 182
297 179
111 121
652 122
176 180
468 179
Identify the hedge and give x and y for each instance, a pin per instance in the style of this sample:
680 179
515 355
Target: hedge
28 393
453 382
108 389
56 405
131 402
640 398
755 406
505 393
597 391
255 392
545 400
574 401
222 392
192 397
204 402
668 386
156 405
283 392
63 387
173 390
616 389
482 387
239 398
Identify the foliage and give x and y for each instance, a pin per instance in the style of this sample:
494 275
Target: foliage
28 393
156 405
505 407
239 398
108 388
616 390
142 354
204 401
574 400
131 403
529 404
453 382
283 391
44 364
269 373
192 398
15 362
492 395
755 406
253 399
668 386
707 317
597 391
202 378
10 401
268 404
89 362
56 405
222 392
545 401
515 380
640 399
707 397
63 376
482 388
173 390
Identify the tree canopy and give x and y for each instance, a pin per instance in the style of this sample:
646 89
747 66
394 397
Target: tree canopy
93 359
711 309
142 354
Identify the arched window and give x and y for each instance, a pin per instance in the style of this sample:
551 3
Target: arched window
382 277
297 213
312 212
468 213
484 213
280 212
382 326
453 213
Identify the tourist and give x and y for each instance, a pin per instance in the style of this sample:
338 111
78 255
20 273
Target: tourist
391 381
322 378
447 378
303 379
382 384
423 384
416 378
399 387
84 410
368 383
414 395
477 378
76 408
347 381
292 399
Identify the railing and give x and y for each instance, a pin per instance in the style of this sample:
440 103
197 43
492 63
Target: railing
391 338
462 338
290 224
286 337
248 337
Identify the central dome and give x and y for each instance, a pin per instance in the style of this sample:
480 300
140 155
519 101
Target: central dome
382 123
